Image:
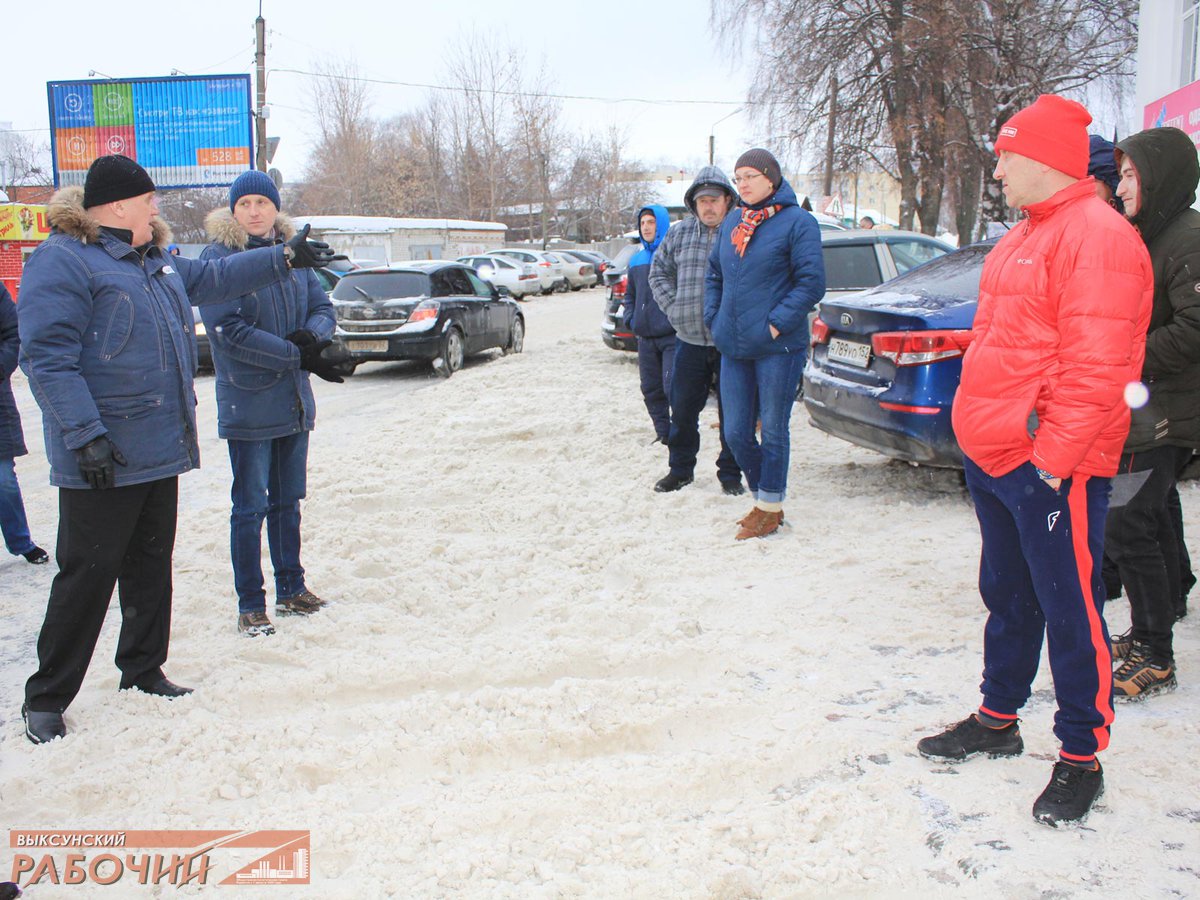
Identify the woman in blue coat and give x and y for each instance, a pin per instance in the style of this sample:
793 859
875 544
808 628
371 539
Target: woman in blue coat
765 275
12 442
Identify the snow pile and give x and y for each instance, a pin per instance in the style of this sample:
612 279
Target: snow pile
542 679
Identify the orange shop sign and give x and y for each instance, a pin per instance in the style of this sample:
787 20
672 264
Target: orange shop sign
20 222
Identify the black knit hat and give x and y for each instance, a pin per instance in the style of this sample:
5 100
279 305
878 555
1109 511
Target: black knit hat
764 162
113 178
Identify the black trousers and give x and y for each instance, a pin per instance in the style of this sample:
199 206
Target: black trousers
1141 540
697 369
124 537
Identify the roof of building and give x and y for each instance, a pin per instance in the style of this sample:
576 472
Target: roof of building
375 224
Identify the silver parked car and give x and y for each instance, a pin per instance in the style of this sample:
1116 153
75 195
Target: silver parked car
580 271
511 276
550 271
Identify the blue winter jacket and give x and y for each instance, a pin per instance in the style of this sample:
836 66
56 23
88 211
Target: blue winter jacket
645 317
262 392
778 282
12 439
107 343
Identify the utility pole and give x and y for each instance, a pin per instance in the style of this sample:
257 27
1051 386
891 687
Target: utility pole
833 89
260 65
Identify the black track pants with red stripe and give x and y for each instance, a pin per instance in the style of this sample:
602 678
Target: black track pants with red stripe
1039 574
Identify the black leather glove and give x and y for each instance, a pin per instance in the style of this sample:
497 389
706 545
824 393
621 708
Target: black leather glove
306 254
321 357
96 462
301 337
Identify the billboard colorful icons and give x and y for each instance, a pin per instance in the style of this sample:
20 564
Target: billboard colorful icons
186 131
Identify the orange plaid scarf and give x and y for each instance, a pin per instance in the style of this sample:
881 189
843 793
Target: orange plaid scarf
751 219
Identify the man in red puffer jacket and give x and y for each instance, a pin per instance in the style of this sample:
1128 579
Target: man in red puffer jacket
1041 416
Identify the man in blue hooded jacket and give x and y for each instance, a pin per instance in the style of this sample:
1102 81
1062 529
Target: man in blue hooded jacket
656 337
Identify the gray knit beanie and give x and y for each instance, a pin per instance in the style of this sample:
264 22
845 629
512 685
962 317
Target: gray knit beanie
764 162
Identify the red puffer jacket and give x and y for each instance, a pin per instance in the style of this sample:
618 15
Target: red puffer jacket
1064 302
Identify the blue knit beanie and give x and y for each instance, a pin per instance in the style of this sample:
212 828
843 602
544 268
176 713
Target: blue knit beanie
254 182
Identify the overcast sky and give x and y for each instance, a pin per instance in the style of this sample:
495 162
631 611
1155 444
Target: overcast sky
657 51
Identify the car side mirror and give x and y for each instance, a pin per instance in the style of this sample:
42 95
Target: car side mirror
495 291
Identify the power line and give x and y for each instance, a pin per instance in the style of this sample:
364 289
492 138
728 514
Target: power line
511 93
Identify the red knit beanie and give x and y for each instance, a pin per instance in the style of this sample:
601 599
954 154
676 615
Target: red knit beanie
1053 131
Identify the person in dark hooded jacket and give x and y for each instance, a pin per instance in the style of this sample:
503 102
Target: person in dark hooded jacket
656 337
677 278
1159 173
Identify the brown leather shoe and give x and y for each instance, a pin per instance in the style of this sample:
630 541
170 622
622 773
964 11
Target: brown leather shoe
759 523
746 518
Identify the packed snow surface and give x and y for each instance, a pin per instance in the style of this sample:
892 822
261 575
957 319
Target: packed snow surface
539 678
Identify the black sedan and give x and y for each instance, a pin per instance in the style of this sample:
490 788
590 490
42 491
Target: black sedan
430 310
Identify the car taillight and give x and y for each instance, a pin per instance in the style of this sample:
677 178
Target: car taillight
546 264
919 348
618 287
426 309
820 332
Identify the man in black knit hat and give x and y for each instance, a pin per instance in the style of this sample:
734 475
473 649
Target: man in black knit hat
106 341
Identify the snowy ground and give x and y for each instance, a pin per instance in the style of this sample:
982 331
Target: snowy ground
542 679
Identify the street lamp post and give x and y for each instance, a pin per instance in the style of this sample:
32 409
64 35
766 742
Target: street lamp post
712 139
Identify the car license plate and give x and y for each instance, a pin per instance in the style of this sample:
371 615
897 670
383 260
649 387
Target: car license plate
367 346
850 352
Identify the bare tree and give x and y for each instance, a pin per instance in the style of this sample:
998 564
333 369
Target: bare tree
921 84
23 161
339 173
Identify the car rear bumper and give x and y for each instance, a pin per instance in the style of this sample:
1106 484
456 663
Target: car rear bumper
365 348
852 413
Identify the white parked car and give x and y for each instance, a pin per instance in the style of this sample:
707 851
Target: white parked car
580 272
549 270
519 279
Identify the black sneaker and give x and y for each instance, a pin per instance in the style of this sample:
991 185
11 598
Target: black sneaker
733 488
37 557
672 482
969 737
1069 795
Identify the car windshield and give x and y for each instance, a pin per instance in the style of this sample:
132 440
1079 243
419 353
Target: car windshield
953 275
381 286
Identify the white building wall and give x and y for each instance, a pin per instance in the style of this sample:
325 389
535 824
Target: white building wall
1159 53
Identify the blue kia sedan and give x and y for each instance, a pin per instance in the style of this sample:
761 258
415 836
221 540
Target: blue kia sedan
885 363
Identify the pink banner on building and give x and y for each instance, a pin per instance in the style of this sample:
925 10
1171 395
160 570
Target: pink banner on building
1180 108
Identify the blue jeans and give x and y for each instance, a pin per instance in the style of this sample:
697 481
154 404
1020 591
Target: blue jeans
12 511
761 388
269 480
696 367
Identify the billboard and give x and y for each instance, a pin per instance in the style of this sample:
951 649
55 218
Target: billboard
1180 108
186 131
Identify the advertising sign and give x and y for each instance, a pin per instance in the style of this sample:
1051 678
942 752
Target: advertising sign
1180 108
187 131
21 222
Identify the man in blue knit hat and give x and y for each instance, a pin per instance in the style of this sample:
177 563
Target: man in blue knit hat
265 404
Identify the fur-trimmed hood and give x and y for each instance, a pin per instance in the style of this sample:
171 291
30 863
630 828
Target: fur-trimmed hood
224 229
66 213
